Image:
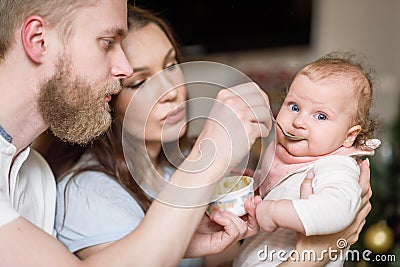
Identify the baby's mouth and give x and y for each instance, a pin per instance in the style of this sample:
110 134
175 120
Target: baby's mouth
293 137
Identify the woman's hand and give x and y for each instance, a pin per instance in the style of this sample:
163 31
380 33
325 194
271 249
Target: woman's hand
222 229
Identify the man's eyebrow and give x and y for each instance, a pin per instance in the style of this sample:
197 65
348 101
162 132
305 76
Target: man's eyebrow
116 31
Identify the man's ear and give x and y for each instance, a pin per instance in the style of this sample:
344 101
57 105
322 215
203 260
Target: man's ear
33 38
351 135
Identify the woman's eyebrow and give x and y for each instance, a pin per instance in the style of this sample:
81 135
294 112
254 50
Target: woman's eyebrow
168 54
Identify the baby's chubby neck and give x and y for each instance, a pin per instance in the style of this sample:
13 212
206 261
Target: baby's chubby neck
283 155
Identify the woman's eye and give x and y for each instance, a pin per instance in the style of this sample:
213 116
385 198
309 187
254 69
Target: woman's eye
294 107
321 117
171 66
135 85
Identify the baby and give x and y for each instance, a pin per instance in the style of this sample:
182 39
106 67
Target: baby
328 107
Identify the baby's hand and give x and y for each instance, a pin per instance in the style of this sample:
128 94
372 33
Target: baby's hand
252 224
264 214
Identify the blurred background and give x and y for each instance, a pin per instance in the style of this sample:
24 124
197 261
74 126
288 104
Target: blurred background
269 40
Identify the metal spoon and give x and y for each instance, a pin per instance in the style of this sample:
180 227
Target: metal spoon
289 135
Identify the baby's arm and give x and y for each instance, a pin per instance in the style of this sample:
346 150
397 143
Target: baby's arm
272 214
336 198
330 209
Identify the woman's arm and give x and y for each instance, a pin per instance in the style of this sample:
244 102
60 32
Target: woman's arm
180 211
214 235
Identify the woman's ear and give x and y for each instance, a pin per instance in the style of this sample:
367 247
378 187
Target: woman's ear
33 39
351 135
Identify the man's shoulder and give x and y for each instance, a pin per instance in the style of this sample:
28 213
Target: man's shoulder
36 167
36 160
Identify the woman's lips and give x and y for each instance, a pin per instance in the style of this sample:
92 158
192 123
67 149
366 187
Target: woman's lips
175 115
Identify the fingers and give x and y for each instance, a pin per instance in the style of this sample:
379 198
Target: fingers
306 186
365 184
363 213
249 93
353 238
257 200
252 224
208 226
365 176
251 204
360 227
250 87
258 114
238 116
234 227
354 230
226 229
249 102
366 197
234 230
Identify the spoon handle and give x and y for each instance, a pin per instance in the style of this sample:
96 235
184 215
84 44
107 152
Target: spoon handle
287 135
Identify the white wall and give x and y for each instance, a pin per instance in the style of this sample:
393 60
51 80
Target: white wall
369 27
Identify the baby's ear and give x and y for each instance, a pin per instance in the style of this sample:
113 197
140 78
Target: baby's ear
351 135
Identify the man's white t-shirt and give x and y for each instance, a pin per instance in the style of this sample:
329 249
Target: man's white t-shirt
27 187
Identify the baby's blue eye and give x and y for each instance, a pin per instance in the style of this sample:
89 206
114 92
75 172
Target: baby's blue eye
294 107
321 117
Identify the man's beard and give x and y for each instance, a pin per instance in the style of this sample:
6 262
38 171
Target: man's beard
70 107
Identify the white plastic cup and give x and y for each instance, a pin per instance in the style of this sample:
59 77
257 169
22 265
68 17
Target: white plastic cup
231 194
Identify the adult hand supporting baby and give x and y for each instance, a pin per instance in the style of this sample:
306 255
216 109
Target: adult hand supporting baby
350 234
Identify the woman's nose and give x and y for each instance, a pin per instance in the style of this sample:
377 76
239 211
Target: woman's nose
169 88
170 95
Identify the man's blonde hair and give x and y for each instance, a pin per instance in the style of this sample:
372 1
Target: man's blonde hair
57 13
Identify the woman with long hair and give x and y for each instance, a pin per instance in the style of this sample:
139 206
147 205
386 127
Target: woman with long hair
109 190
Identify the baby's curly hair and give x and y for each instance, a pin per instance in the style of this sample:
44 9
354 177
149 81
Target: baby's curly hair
347 65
